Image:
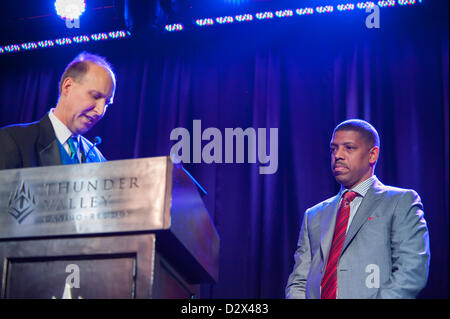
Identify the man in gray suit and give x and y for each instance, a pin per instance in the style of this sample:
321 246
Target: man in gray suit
368 241
86 89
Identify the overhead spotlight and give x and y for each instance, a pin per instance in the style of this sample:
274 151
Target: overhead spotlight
70 9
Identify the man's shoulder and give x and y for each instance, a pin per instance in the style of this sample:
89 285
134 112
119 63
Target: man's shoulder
19 134
20 126
391 192
22 129
22 142
28 132
321 206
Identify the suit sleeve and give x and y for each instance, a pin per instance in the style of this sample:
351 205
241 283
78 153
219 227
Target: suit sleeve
9 152
410 250
296 285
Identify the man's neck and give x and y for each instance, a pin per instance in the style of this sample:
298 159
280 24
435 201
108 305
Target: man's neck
58 112
359 183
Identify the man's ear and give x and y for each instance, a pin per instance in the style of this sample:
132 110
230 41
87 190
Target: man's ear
373 155
66 85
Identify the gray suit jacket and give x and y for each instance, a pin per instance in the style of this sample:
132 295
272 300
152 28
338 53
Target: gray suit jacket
388 237
35 144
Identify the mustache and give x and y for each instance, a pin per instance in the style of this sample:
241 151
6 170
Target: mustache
340 164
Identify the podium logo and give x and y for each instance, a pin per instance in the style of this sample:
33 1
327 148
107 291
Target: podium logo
21 202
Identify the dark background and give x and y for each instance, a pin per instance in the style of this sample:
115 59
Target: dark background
302 76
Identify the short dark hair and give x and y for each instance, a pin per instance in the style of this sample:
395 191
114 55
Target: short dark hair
79 66
365 129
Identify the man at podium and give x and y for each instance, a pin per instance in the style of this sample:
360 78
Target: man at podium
86 89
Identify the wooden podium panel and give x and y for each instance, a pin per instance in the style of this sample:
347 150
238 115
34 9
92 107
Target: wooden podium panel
169 283
109 267
39 278
127 229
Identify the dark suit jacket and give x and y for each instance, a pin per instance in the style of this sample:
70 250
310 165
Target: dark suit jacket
35 144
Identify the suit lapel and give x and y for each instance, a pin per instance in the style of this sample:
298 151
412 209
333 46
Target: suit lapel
327 224
50 154
48 149
368 205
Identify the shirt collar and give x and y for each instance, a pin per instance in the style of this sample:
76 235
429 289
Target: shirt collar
61 131
361 189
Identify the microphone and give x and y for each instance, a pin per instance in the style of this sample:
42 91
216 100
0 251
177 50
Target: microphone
97 141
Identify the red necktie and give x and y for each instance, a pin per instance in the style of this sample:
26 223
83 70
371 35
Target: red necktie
329 279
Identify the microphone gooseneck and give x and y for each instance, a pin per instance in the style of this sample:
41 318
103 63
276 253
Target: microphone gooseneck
97 141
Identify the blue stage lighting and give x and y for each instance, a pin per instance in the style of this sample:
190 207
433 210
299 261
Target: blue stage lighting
204 22
236 2
324 9
244 17
70 9
174 27
79 39
264 15
284 13
225 19
346 7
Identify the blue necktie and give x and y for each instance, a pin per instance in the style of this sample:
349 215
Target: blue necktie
73 145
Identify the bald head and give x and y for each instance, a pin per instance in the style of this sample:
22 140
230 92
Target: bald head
79 67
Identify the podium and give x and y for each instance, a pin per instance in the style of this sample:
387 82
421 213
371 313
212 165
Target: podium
121 229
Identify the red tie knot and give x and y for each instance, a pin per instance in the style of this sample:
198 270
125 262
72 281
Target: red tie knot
349 196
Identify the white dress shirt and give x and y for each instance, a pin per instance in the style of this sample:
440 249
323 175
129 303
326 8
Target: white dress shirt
361 189
63 134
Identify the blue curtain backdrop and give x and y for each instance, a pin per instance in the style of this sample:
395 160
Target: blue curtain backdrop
300 78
